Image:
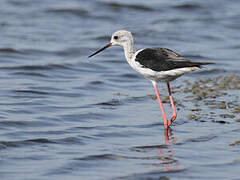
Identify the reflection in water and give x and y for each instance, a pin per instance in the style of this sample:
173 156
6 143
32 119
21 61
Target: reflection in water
167 161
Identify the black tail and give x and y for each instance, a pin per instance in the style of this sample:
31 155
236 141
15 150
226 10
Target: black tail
199 64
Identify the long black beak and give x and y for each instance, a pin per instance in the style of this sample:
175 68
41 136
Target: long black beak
108 45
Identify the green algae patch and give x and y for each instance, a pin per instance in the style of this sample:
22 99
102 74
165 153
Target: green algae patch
214 99
236 110
229 82
165 99
227 115
237 120
218 94
197 109
120 94
194 117
235 143
153 97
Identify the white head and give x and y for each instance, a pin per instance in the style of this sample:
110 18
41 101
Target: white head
119 38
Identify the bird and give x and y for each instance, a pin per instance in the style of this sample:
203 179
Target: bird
155 64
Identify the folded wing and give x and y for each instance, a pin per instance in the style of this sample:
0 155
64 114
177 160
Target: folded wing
163 59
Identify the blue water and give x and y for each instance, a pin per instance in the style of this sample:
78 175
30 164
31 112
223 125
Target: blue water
64 116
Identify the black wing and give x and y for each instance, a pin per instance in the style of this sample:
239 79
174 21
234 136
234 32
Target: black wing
162 59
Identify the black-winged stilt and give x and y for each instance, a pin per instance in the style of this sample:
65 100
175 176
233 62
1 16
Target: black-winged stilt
155 64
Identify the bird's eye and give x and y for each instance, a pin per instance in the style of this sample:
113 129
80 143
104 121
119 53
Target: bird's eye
115 37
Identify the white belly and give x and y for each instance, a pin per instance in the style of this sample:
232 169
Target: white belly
160 76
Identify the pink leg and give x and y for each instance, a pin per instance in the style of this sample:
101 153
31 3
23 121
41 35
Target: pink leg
167 134
161 105
174 114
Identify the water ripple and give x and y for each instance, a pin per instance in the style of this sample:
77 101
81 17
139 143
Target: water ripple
117 6
188 6
63 115
7 144
71 11
9 51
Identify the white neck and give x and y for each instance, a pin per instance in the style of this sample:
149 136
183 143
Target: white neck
128 49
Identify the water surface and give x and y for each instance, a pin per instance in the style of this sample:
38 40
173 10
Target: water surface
64 116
